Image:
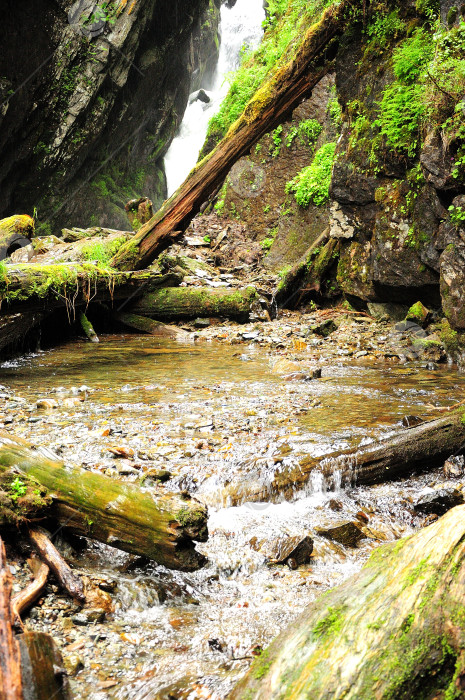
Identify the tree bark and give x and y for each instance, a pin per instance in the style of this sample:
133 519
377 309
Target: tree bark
10 661
281 93
395 630
52 557
43 674
425 446
173 304
152 524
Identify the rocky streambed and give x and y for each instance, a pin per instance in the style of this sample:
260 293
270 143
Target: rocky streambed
210 416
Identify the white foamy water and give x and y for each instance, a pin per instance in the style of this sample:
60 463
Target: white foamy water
240 26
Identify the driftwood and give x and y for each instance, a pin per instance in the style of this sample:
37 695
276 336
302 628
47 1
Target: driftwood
395 630
156 525
172 304
25 598
10 661
277 97
425 446
148 325
44 676
52 557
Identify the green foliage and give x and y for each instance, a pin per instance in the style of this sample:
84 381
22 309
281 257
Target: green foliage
385 29
307 131
457 215
207 239
286 22
330 624
312 183
18 488
97 252
277 140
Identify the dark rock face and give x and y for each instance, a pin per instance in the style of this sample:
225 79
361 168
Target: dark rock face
439 502
453 284
88 109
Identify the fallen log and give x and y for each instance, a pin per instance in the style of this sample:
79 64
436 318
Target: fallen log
88 328
173 304
33 287
25 598
422 447
10 661
152 524
270 105
43 673
17 328
148 325
395 630
52 557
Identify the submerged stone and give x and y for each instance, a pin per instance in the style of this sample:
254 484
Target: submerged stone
346 532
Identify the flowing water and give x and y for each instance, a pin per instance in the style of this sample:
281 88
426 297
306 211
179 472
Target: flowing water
214 415
240 28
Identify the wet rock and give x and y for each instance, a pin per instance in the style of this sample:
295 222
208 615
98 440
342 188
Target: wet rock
454 467
346 532
47 403
139 211
362 516
410 421
431 366
201 323
419 314
325 328
73 664
452 284
199 96
335 505
285 366
294 551
89 617
121 451
156 476
439 502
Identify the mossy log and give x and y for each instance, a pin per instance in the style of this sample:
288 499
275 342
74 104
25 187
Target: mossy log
422 447
395 630
270 105
31 287
156 525
148 325
42 668
172 304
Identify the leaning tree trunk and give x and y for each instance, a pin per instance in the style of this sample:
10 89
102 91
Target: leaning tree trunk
395 630
177 303
424 446
270 105
156 525
10 661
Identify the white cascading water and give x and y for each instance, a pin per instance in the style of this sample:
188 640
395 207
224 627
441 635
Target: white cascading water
240 26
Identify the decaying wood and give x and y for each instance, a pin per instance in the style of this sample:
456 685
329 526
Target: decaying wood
153 524
52 557
281 93
43 673
87 327
15 328
10 661
148 325
25 598
307 274
173 304
422 447
32 287
395 630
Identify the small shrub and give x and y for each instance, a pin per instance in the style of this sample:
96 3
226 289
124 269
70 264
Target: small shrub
312 183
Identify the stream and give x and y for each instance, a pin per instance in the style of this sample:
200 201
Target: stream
212 414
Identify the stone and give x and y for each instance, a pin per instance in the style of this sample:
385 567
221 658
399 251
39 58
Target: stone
325 328
411 421
284 366
89 616
387 311
345 532
439 502
452 284
436 162
294 551
419 314
339 223
139 211
454 467
73 664
199 95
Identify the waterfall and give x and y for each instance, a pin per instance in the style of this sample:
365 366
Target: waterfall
240 25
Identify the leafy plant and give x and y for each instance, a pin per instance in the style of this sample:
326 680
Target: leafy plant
457 215
18 489
312 183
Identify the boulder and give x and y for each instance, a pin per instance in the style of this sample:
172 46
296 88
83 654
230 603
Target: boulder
452 284
439 502
345 532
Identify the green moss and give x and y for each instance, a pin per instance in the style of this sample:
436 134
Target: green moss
331 624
